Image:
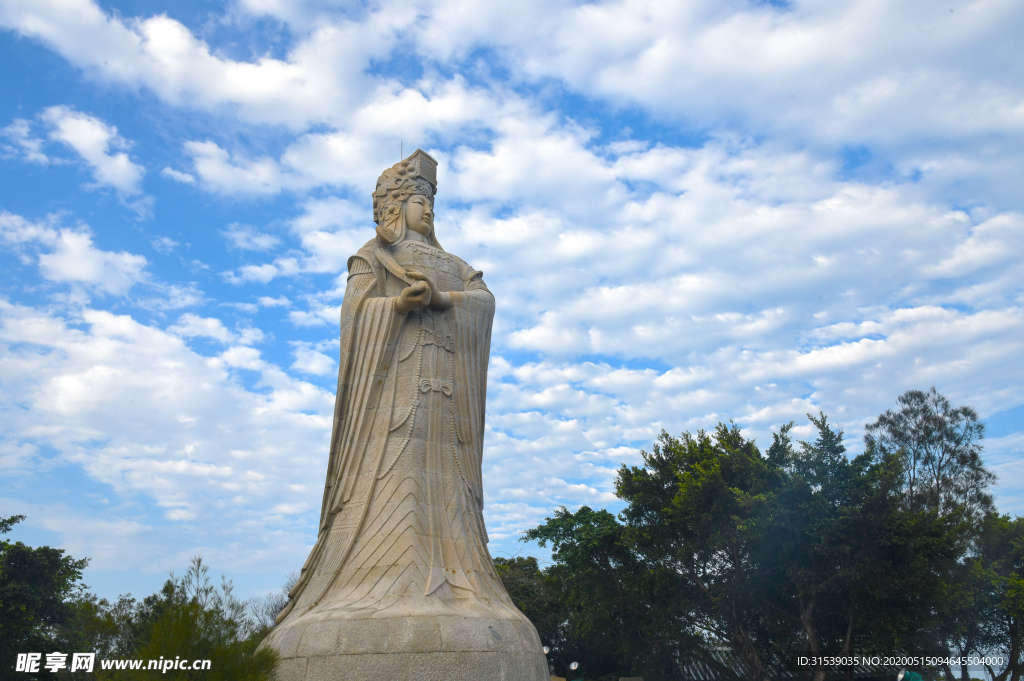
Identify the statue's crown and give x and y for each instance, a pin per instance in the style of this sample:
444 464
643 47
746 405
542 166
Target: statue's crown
420 164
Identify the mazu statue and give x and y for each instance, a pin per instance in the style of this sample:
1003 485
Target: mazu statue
400 584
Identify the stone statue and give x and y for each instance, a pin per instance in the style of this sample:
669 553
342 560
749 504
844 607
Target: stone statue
400 585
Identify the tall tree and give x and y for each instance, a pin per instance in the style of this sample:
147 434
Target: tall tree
615 614
859 563
191 618
699 509
36 585
799 548
817 538
940 448
1002 563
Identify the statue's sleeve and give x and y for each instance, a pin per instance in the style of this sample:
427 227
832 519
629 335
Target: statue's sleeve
474 312
360 286
369 327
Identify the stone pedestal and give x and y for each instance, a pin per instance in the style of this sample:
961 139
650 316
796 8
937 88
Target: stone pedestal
335 646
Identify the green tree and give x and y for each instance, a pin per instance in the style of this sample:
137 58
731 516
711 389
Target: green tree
111 630
1001 563
609 612
940 448
860 565
192 619
801 548
818 537
965 612
700 508
536 594
36 585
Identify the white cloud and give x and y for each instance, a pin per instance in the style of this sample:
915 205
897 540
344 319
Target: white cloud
248 239
879 70
146 417
570 420
23 144
1003 455
220 173
320 77
991 243
178 176
330 231
97 143
191 326
261 273
17 231
74 259
309 361
164 244
99 535
367 139
18 459
895 76
70 256
171 297
320 314
67 255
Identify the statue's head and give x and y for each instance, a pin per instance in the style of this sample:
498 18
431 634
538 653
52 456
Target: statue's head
414 176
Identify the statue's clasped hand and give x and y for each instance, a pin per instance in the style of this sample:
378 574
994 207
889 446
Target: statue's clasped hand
420 293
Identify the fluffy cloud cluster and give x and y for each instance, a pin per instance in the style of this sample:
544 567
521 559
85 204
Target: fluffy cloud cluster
68 255
99 145
147 417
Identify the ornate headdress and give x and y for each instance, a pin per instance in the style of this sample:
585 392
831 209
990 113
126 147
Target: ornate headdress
415 175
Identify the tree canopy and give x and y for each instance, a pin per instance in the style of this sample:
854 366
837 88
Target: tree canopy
45 608
36 589
798 550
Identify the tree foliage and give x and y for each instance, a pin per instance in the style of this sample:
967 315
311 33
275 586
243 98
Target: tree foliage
940 449
44 608
1000 575
191 618
535 593
799 549
36 585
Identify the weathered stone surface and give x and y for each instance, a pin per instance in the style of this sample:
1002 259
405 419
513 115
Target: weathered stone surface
292 669
400 584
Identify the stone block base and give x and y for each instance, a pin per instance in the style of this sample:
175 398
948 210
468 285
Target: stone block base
408 648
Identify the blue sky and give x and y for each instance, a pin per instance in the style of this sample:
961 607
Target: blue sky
688 212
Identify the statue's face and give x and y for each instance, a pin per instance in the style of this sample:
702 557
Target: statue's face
419 214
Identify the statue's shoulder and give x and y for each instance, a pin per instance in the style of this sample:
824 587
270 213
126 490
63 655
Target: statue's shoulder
472 278
463 266
365 258
368 251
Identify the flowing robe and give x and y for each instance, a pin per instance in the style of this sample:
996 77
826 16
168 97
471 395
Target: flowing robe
401 523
